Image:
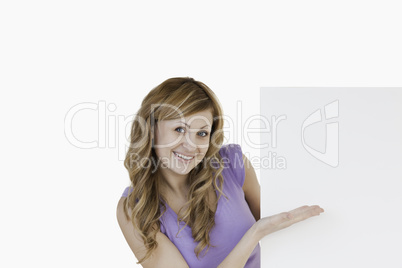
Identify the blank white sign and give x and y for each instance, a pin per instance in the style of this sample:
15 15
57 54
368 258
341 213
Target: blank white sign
340 148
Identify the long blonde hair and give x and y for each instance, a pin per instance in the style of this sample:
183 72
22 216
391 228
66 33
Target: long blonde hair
146 200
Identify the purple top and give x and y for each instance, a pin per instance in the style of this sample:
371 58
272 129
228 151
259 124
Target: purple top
232 218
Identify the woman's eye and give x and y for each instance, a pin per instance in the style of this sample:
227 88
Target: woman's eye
203 133
178 129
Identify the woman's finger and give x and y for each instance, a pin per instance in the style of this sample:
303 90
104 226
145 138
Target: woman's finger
300 214
285 219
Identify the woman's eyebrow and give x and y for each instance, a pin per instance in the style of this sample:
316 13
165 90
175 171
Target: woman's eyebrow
189 126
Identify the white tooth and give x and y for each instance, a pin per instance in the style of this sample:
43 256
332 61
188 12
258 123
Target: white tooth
184 157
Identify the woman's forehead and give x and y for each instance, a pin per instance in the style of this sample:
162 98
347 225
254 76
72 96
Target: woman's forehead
196 120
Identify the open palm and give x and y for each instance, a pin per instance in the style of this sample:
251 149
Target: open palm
282 220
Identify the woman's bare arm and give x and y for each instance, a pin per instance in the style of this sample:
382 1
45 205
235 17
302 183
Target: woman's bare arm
166 254
251 188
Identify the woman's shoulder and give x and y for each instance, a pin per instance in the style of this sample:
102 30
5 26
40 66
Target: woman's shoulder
232 158
128 191
230 149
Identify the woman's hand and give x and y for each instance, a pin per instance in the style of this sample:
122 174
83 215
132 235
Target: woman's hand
268 225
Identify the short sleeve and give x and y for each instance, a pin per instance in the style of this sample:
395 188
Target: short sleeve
162 227
127 191
232 157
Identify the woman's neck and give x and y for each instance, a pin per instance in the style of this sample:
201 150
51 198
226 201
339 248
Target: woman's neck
174 184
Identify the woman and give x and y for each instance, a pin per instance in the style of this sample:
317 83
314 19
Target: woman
192 202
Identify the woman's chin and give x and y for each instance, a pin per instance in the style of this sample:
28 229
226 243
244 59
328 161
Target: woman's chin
182 170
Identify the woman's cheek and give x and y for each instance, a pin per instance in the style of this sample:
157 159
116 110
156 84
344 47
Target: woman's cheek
172 138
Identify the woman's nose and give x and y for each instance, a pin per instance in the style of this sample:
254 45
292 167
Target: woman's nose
188 142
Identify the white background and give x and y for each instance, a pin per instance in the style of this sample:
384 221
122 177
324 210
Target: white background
58 200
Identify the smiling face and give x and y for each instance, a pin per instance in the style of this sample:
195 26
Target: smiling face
181 144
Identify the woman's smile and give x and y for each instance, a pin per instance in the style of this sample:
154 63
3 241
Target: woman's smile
183 157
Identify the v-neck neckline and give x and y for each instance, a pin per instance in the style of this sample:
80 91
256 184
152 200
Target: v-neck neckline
176 216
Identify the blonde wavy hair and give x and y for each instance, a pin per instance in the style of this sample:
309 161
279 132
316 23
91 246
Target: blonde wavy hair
187 96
